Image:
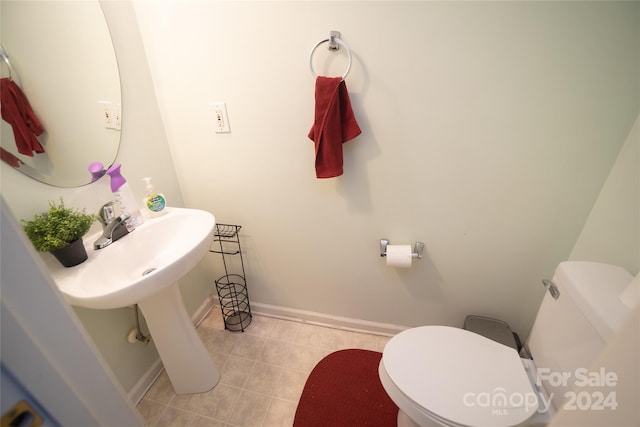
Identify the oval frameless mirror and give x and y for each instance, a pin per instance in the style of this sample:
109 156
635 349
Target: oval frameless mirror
63 60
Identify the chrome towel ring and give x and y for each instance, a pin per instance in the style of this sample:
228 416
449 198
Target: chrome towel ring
5 58
334 44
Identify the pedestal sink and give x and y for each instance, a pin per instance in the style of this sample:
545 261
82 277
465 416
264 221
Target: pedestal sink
143 268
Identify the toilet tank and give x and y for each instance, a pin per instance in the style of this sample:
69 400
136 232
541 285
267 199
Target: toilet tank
570 331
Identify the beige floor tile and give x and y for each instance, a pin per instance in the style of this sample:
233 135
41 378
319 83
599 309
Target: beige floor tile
187 402
304 358
309 335
382 341
291 385
284 330
150 410
202 421
280 414
275 352
334 339
364 341
250 409
213 320
174 417
219 359
236 371
263 378
162 390
218 403
260 326
248 347
221 341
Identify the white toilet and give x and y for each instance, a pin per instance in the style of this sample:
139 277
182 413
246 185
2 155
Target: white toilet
445 376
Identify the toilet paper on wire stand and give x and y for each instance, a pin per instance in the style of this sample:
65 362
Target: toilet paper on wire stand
399 256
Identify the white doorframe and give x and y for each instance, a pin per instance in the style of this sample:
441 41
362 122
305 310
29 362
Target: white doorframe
44 345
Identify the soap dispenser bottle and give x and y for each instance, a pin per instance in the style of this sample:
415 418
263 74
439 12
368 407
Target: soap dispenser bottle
154 203
124 194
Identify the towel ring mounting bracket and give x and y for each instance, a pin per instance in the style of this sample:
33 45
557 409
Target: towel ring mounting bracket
335 42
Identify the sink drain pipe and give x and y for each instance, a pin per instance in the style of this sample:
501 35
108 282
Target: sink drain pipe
136 334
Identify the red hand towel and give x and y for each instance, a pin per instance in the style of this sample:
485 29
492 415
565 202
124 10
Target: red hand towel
9 158
18 113
334 125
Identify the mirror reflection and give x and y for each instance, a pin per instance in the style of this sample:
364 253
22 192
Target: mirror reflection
62 60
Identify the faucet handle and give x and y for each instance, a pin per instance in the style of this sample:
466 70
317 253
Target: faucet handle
107 213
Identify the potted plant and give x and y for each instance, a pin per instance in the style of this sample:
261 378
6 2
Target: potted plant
60 231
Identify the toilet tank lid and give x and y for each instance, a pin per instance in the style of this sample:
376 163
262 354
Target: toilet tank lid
595 288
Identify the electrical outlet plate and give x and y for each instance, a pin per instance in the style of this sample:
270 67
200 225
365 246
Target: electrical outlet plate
221 120
111 115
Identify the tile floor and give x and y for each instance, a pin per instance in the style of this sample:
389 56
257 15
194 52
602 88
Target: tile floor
263 369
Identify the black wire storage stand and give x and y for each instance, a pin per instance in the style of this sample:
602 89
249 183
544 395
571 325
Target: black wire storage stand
232 288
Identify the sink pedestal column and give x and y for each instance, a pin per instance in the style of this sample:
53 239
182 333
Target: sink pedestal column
183 354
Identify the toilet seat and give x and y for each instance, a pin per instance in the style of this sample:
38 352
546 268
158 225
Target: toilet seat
457 378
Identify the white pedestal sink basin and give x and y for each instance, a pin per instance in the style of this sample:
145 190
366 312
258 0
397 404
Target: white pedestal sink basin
143 268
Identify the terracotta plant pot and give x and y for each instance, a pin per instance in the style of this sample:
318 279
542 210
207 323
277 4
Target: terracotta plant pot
71 255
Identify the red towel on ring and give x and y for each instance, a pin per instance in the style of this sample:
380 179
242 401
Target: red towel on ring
18 113
334 125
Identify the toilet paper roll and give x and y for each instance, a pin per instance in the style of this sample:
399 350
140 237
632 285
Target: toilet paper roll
399 256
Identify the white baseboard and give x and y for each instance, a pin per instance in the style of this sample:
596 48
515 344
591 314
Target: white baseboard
141 387
203 311
337 322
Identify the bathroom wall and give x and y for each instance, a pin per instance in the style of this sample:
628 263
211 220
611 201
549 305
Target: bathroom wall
489 129
143 152
612 231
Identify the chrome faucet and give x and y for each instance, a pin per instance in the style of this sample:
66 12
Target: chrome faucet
113 228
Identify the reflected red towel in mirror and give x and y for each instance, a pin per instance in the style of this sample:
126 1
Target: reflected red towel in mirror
334 125
9 158
18 113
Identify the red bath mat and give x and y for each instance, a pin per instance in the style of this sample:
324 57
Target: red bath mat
344 390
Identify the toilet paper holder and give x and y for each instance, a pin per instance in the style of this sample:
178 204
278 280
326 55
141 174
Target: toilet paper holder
418 249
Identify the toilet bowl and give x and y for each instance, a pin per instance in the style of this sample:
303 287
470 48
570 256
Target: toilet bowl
446 376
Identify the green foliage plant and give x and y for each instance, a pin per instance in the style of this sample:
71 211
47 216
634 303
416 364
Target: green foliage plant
57 227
